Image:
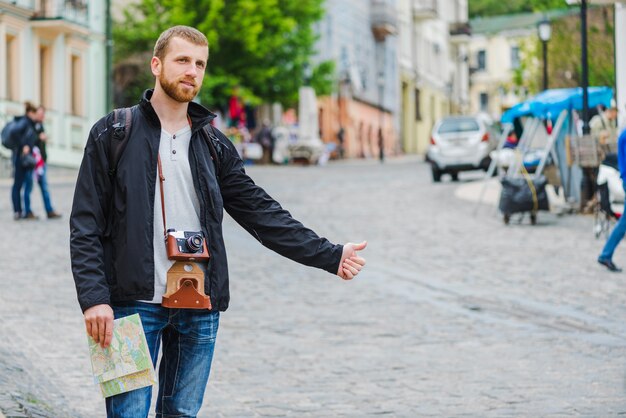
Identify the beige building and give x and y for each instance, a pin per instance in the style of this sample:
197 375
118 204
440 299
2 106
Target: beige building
504 63
432 56
54 53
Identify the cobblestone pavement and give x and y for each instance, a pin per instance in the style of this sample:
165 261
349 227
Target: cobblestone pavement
455 315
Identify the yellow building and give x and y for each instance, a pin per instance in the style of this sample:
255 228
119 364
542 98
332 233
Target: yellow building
433 66
499 47
54 53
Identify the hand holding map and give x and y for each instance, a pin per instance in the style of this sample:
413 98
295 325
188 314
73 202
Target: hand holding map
125 364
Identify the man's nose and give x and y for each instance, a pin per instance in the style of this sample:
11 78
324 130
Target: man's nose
192 70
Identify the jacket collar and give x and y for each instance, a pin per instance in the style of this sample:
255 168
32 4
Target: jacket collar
199 115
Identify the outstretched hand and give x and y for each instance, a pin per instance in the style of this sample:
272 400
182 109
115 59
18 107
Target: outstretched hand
351 264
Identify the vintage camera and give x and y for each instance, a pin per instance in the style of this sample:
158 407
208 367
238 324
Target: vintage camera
186 246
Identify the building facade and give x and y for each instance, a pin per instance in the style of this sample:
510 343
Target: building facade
54 53
434 37
360 37
503 60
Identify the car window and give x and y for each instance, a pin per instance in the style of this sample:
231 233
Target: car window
458 125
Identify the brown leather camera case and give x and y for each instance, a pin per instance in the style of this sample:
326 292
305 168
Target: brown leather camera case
185 287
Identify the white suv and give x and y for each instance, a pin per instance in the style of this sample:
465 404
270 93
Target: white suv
460 143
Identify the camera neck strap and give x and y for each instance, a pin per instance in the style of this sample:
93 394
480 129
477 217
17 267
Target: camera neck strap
161 180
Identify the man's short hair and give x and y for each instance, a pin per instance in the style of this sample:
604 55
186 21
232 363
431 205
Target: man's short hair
185 32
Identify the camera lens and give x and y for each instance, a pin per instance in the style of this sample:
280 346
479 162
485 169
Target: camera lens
194 242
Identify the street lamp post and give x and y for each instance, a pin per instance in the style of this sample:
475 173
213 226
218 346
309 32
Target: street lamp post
544 30
585 65
381 97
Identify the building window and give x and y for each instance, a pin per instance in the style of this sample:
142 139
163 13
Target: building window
484 102
12 60
418 112
45 76
76 80
481 58
515 62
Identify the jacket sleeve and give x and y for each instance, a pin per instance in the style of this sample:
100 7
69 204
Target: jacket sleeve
265 219
88 221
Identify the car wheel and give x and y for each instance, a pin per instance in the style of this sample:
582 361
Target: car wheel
455 176
436 173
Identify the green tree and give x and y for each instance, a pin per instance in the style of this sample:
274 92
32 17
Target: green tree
564 63
564 53
260 46
484 8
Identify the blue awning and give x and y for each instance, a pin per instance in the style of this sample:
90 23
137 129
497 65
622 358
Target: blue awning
550 103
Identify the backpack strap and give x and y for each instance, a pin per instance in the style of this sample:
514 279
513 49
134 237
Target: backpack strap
215 147
122 121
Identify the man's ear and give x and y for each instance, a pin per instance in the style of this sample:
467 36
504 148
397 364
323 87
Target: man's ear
156 66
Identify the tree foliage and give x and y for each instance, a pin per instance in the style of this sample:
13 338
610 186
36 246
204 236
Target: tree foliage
261 46
564 50
484 8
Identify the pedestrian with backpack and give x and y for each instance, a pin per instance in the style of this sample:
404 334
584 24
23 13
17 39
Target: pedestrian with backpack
153 185
19 135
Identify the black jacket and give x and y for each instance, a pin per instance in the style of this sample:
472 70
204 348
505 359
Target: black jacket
25 131
111 226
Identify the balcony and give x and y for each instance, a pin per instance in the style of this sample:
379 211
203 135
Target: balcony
460 32
384 20
24 4
73 11
21 8
424 9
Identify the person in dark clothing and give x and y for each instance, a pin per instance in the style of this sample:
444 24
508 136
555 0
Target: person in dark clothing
381 146
117 226
265 138
42 168
22 171
340 140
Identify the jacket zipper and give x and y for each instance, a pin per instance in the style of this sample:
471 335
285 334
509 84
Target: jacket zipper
205 231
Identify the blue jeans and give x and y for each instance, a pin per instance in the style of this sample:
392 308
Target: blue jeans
43 185
614 239
188 337
23 179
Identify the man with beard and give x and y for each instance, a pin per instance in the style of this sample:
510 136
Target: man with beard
119 261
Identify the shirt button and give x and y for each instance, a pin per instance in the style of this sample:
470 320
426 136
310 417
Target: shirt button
173 151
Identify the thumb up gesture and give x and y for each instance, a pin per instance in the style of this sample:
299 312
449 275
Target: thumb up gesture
351 264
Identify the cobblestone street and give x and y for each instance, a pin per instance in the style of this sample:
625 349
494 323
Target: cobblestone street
455 314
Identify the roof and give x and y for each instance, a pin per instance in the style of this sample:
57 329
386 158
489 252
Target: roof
497 24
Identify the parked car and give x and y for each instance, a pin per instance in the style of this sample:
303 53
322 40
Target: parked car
461 143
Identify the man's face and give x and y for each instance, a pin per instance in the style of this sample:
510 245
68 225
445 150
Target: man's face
181 71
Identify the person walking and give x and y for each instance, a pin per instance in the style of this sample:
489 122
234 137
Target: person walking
606 256
603 127
265 138
42 168
24 163
119 260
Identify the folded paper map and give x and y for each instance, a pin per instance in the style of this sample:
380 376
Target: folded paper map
126 364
